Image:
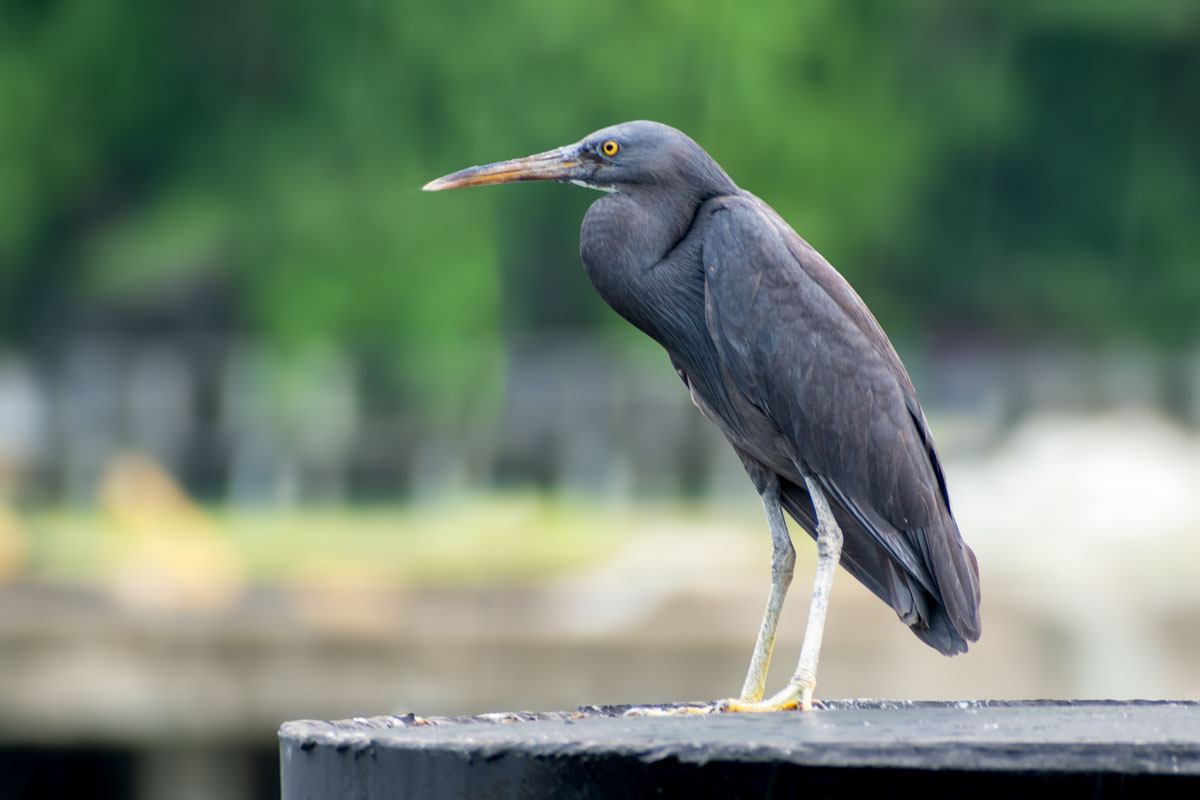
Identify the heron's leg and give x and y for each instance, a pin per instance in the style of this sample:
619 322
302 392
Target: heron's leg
829 551
783 561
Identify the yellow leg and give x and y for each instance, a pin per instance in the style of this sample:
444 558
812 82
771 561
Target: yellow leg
799 691
783 561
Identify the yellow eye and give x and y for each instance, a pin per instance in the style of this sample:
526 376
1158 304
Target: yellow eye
610 148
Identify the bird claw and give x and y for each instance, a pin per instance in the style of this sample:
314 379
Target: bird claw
794 697
784 701
763 706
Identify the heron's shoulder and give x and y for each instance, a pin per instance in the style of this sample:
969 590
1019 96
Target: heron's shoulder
742 206
745 215
739 220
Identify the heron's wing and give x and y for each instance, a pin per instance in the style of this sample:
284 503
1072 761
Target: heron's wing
797 343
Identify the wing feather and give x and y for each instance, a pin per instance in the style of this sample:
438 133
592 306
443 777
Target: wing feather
799 345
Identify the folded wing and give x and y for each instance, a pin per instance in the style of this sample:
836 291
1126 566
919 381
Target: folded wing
800 346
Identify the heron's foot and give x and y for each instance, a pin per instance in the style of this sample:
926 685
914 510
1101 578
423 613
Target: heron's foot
780 702
741 707
796 695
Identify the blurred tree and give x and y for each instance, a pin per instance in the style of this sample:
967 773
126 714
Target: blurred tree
1011 167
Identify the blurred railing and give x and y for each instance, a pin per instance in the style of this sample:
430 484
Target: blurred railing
235 424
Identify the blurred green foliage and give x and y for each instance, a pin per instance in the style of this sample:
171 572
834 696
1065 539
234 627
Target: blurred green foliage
1012 168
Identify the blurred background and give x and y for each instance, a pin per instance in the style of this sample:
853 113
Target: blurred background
283 437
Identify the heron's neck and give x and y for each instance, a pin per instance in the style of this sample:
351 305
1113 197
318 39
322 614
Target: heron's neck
628 246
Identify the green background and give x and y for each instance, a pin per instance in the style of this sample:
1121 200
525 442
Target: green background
1011 170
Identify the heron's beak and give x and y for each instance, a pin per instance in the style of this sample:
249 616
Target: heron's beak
561 164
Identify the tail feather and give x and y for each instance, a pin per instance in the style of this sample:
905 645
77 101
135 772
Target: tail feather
957 574
945 620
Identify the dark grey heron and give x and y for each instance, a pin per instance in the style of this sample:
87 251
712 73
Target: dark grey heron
780 352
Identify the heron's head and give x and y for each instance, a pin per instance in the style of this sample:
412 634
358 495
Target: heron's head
628 157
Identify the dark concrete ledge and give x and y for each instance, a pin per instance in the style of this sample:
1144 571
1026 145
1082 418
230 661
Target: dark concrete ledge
987 749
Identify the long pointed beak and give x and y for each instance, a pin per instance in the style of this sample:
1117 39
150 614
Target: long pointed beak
561 164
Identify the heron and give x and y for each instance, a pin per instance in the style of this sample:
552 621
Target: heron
778 351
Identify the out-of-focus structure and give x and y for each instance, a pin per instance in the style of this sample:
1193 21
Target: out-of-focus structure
270 447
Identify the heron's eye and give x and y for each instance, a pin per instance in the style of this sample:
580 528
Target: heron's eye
610 148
